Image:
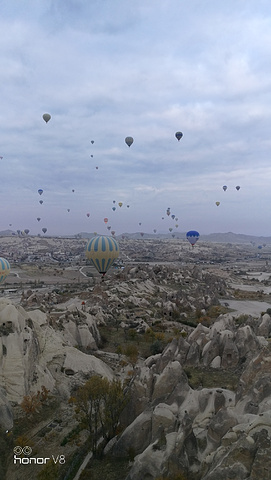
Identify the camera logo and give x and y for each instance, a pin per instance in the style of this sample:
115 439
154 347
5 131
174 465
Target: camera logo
25 450
22 457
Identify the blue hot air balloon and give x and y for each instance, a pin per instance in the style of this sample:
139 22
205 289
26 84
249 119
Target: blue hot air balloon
178 135
102 251
40 191
192 236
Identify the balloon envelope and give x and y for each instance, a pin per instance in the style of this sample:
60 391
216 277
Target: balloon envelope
178 135
217 204
129 141
102 251
4 269
46 117
192 236
237 187
224 188
40 191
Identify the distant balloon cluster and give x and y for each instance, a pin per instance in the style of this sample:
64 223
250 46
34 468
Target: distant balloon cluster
102 250
225 188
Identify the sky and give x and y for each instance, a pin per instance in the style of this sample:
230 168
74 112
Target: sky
105 70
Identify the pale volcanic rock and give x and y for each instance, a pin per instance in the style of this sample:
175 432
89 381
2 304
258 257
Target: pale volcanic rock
33 354
216 362
136 436
264 328
6 414
163 417
79 362
211 350
167 380
137 301
246 341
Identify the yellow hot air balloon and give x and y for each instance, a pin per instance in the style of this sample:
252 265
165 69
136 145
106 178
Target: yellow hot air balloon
46 117
4 269
102 251
120 204
217 204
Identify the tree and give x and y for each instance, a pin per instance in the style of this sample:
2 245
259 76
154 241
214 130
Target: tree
31 403
50 471
98 405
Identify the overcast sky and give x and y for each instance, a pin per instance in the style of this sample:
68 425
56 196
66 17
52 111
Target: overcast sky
108 69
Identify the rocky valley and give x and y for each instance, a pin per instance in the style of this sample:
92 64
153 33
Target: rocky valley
186 330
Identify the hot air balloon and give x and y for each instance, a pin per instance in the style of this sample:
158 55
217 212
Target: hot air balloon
192 236
170 229
40 191
237 187
109 227
217 204
113 232
44 230
113 208
46 117
41 202
105 220
224 188
38 218
120 204
26 231
172 216
92 141
68 209
102 251
178 135
73 190
4 269
155 230
88 214
142 234
129 141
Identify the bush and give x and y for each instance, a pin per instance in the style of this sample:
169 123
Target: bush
156 347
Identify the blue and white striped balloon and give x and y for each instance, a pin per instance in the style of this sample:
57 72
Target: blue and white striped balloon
4 269
102 251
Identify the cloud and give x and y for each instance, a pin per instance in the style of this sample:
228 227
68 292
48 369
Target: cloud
105 70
